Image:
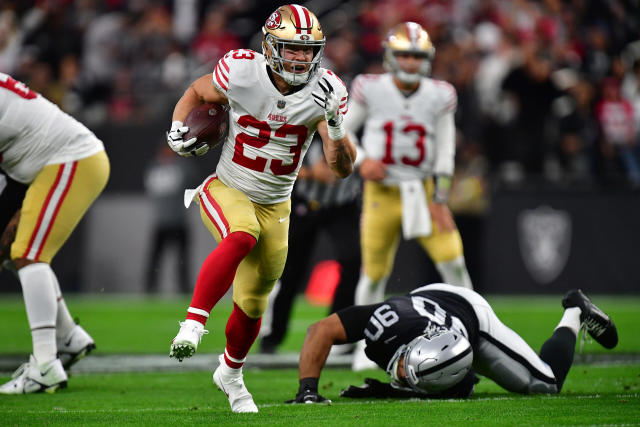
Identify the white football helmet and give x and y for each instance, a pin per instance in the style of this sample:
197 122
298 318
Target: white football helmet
408 37
292 25
433 362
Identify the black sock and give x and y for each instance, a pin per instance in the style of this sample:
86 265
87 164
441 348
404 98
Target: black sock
558 351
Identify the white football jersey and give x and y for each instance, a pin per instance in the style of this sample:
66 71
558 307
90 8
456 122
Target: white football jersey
269 132
34 132
399 130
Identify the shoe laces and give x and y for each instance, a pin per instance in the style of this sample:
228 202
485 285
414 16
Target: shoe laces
584 337
199 331
594 326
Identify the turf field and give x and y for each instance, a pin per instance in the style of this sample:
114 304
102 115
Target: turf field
605 392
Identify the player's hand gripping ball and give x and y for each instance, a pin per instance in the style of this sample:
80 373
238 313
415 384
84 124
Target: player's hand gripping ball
209 124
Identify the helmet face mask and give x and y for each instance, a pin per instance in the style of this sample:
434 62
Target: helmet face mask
293 26
433 362
411 39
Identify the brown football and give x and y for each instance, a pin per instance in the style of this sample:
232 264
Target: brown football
209 123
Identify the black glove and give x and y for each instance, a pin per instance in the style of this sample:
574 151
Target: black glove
375 388
308 393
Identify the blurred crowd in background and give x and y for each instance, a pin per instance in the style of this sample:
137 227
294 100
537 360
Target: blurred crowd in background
549 91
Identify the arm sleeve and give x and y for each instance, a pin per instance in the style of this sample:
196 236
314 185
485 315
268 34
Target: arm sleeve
354 320
445 141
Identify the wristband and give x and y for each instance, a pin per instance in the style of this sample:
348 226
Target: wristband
442 189
336 132
309 383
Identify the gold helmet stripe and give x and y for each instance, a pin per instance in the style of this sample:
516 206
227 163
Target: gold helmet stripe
303 21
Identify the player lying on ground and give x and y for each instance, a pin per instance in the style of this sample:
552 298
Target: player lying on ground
433 341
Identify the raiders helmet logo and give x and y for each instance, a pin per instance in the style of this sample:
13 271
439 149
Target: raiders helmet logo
544 235
273 21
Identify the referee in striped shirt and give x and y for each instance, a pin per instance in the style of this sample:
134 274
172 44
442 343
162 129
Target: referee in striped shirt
320 203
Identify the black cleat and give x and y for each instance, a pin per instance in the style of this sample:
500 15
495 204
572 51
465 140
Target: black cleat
597 323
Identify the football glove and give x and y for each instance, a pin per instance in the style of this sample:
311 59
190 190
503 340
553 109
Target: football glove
329 101
309 396
186 148
375 388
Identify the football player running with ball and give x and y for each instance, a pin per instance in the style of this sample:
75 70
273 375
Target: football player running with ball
65 168
432 341
277 101
406 159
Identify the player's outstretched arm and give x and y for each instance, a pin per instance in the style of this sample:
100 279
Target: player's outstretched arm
315 350
317 344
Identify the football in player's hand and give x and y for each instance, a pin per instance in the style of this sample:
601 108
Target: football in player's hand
209 123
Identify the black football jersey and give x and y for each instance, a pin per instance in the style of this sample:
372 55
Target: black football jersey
396 321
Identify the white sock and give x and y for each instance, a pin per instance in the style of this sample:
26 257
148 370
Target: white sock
64 321
571 319
455 272
368 291
40 302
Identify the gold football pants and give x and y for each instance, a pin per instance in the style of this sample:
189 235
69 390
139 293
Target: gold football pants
225 210
381 228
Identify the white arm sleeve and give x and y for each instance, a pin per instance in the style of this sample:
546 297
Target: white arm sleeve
353 121
445 136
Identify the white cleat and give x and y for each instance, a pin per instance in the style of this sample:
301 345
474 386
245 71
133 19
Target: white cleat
230 381
186 342
33 378
360 360
76 345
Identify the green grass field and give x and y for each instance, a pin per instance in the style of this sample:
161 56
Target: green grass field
594 394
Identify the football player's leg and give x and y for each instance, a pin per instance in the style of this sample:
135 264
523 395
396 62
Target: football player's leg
303 230
507 359
230 217
445 250
380 236
54 204
255 279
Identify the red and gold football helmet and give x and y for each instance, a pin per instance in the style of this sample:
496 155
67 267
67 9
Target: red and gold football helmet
408 37
292 25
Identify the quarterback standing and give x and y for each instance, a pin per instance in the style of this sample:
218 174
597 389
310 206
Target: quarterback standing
277 101
65 168
406 158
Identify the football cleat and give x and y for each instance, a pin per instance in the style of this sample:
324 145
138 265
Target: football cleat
594 320
186 342
231 382
33 378
76 345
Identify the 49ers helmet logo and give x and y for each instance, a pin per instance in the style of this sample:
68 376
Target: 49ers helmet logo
273 21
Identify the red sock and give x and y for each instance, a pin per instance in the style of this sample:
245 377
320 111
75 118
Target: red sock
241 332
217 273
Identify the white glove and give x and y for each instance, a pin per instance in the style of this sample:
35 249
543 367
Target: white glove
330 102
184 148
